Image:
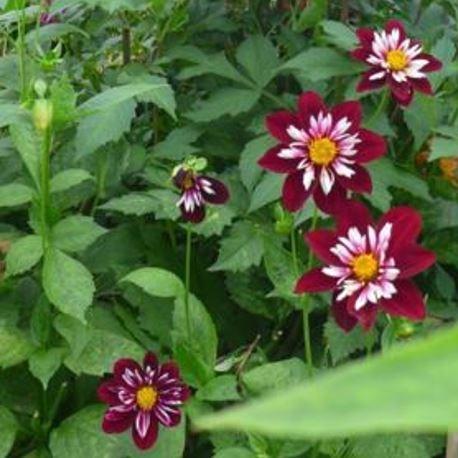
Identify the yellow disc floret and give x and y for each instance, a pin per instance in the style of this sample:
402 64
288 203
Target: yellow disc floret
365 267
322 151
397 60
146 397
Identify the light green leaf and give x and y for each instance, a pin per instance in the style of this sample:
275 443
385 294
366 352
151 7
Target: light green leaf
63 98
67 283
18 344
422 117
318 64
52 32
444 50
399 446
222 388
81 436
11 114
410 388
310 15
43 364
14 194
216 219
235 452
226 101
24 254
68 179
259 58
178 143
8 428
267 190
76 233
340 35
443 147
241 249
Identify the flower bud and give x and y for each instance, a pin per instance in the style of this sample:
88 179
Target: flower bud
40 88
42 114
404 329
284 220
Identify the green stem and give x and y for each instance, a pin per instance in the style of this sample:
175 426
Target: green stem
188 278
102 171
44 185
380 108
21 50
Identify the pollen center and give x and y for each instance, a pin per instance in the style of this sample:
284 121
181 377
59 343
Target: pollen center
146 397
322 151
365 267
397 59
188 182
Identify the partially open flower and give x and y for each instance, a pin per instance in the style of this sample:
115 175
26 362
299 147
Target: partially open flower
196 191
321 150
396 61
141 397
369 265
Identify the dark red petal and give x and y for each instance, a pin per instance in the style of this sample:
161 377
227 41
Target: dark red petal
340 313
333 202
166 417
353 214
195 216
315 281
271 161
144 443
278 122
413 259
294 194
406 226
361 54
150 360
179 177
421 85
407 302
126 363
310 104
350 110
107 392
171 369
366 316
221 193
372 146
394 24
433 64
320 242
360 182
117 422
365 36
366 84
401 92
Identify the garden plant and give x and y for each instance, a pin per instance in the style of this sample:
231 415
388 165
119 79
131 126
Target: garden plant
229 228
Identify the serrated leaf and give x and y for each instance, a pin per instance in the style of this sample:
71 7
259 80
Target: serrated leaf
63 98
178 143
241 249
399 446
443 147
340 35
43 364
268 190
14 194
18 344
8 429
69 178
67 283
342 344
24 254
76 233
222 388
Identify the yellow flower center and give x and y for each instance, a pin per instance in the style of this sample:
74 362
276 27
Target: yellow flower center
188 181
397 59
322 151
365 267
146 397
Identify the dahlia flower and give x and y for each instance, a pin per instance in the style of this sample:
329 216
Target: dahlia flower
321 151
369 266
141 397
395 60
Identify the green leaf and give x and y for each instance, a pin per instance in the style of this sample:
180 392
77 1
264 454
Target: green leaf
10 114
18 344
249 170
385 175
14 194
81 436
267 191
76 233
318 64
235 452
8 429
178 143
67 283
410 388
241 249
399 446
63 98
275 376
443 147
216 219
226 101
343 344
259 58
24 254
313 13
340 35
444 50
51 32
222 388
422 117
43 364
69 178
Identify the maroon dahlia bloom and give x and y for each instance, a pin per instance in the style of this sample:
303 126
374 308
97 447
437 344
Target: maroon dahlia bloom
369 265
196 190
321 150
141 397
395 60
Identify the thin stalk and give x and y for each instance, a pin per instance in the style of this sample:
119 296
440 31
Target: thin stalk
380 108
188 278
45 195
20 46
102 171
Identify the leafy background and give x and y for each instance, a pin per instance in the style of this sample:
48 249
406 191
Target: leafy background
136 87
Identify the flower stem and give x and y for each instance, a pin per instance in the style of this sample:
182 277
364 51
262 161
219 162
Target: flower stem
188 279
381 106
20 45
45 195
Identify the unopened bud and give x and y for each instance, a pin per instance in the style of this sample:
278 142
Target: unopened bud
40 87
42 114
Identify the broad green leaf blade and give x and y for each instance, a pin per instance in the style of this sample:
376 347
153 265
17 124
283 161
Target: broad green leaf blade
17 342
68 179
81 436
268 190
67 283
410 388
14 194
43 364
8 428
24 254
11 114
